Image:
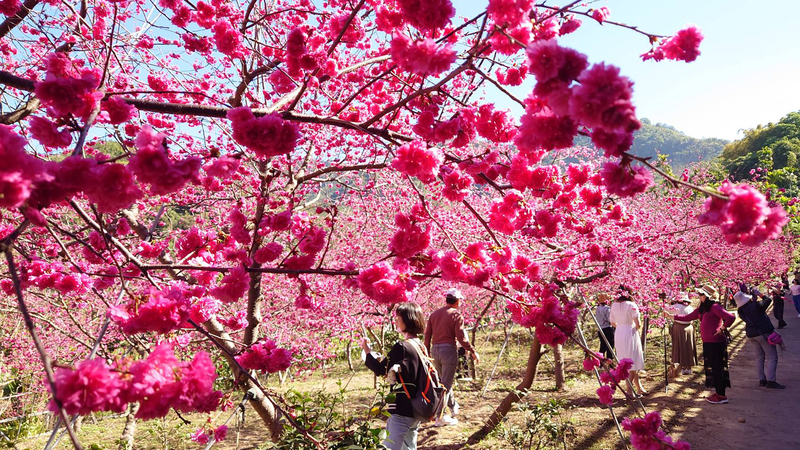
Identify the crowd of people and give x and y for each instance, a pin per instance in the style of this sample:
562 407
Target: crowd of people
412 361
619 329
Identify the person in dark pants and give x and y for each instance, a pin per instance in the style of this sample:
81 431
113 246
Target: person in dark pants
758 329
713 320
778 293
602 313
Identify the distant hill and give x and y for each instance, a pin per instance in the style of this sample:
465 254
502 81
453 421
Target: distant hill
664 139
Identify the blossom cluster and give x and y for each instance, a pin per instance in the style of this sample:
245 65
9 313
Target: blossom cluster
745 217
683 46
646 433
410 238
158 383
204 435
422 57
152 166
383 284
554 319
600 99
162 312
266 136
265 356
416 159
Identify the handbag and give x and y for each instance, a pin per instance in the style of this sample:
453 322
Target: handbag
428 405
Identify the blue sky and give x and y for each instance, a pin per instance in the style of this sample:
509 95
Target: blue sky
748 72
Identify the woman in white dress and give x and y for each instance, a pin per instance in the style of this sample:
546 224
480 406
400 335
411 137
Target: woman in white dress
625 317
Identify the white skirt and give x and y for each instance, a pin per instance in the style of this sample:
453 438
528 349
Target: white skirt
628 345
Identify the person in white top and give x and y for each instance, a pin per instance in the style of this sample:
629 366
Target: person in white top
795 290
627 344
684 349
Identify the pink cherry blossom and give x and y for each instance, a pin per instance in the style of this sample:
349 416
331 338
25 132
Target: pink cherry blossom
48 134
423 57
427 15
418 160
266 136
683 46
91 387
381 283
118 110
66 96
624 180
606 394
601 14
233 285
266 356
220 433
164 311
152 164
509 12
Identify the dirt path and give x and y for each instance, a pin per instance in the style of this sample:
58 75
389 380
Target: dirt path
756 417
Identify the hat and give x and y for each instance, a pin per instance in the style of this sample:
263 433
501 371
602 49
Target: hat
741 298
707 290
683 297
455 293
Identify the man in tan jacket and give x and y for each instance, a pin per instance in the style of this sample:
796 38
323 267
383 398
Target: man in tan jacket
445 327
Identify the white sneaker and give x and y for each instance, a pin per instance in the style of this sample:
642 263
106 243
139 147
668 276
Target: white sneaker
686 372
445 421
454 410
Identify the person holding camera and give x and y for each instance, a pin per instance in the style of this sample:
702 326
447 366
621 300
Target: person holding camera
402 362
714 322
759 331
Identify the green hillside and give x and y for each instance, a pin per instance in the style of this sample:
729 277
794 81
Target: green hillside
664 139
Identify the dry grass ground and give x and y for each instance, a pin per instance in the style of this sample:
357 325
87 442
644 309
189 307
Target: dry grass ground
681 406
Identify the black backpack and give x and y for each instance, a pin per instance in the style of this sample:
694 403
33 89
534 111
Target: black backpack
428 404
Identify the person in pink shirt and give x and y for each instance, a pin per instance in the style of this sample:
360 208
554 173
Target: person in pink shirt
714 319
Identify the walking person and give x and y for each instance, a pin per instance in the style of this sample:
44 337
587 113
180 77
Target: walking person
624 316
402 362
758 329
778 305
795 290
684 349
602 314
445 327
714 320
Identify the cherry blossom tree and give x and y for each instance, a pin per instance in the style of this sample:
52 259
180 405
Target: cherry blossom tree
256 180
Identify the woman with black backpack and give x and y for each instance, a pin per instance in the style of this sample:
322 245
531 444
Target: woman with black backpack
760 334
402 363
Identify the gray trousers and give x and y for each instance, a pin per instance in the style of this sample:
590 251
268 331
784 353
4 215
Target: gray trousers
764 351
402 433
445 360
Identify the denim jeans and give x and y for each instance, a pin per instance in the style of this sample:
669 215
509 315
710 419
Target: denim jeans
764 351
402 433
796 300
445 360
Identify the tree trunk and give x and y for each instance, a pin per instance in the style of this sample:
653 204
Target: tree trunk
512 397
558 358
260 404
349 351
126 440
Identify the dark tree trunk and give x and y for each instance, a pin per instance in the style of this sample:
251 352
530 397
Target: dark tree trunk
512 397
